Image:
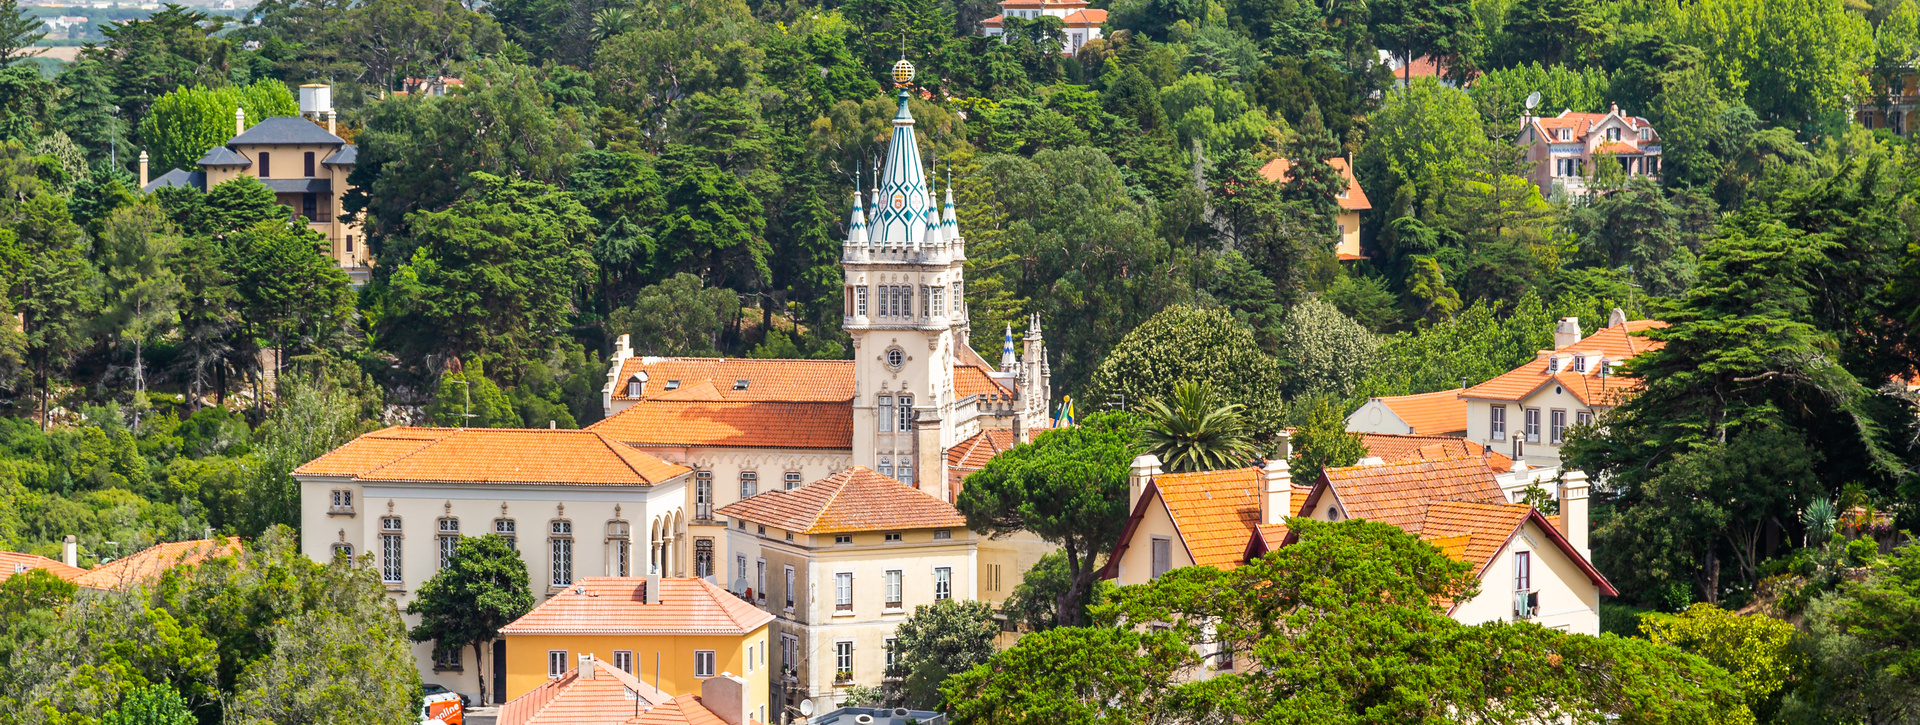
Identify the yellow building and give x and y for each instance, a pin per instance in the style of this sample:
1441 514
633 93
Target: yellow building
1352 201
673 632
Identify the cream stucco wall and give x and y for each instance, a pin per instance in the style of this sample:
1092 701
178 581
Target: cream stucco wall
1568 599
477 507
1546 399
1136 564
1349 231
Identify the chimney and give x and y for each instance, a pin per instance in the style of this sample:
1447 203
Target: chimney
726 697
587 670
70 551
1566 332
1617 318
239 121
330 116
143 169
1573 510
1145 467
653 589
1277 504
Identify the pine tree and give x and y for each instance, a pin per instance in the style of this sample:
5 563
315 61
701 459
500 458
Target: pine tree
18 31
1311 178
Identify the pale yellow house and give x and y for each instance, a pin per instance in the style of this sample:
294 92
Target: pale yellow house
674 633
1352 201
304 164
1530 409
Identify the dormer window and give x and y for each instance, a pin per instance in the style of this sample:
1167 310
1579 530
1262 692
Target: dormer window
1579 363
1553 364
741 384
1613 134
1566 134
636 385
1646 134
673 385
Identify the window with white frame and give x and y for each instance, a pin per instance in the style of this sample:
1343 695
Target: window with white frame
1559 426
449 539
703 557
390 550
507 529
940 534
957 294
1497 422
789 646
760 580
1584 417
886 466
703 495
556 663
740 567
749 484
619 544
893 588
843 592
792 480
892 537
343 550
938 303
903 469
703 663
942 583
885 405
1526 600
1162 555
342 501
1533 425
623 661
842 661
906 412
860 301
560 550
789 588
842 539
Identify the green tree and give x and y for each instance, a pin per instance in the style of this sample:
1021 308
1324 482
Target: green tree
1035 601
1438 29
1323 351
135 251
1068 487
714 226
1796 62
319 408
184 124
1311 179
1194 430
935 642
419 39
53 287
1426 135
1322 441
467 399
1757 650
19 30
151 705
478 590
678 316
1556 32
1186 343
292 295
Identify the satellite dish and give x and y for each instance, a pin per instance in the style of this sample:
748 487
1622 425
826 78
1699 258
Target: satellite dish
806 708
1533 100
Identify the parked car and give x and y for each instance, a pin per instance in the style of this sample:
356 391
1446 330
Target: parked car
433 689
443 708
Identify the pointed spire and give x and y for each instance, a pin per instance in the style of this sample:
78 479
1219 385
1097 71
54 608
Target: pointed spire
900 214
857 226
1007 359
949 226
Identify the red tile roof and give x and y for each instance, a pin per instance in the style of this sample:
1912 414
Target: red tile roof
494 455
682 710
760 424
12 563
1398 493
1086 18
617 606
856 499
794 381
1590 388
1401 448
1580 124
1216 513
573 700
1280 171
973 453
971 380
148 564
1616 148
1437 413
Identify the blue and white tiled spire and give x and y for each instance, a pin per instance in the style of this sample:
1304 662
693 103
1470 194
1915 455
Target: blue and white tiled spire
901 216
1007 361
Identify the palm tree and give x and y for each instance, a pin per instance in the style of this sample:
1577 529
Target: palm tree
610 22
1194 430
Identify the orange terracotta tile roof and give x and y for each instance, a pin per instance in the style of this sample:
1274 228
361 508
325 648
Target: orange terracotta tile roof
1436 413
1398 493
1401 448
1216 513
148 564
574 700
797 381
1086 18
1590 388
682 710
1280 171
373 450
507 455
1477 530
617 605
970 380
13 562
856 499
759 424
994 22
1616 147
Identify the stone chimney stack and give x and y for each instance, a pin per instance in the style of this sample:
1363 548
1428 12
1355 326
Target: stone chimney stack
1617 318
1566 332
1573 510
587 670
653 589
1276 504
70 551
143 169
1145 467
330 118
239 121
726 697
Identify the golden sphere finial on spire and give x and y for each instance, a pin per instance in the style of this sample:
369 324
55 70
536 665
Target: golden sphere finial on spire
902 72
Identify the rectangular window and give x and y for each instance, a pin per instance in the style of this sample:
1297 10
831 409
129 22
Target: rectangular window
789 588
749 484
760 579
703 663
926 302
1559 429
942 583
843 592
562 554
886 466
842 661
956 298
342 551
890 660
792 480
349 243
343 501
1162 556
843 538
740 567
939 534
903 470
703 496
266 164
893 589
1584 417
390 550
1523 571
449 540
789 646
556 663
906 413
885 406
618 560
893 536
309 164
505 529
1497 422
939 303
623 661
1533 425
860 301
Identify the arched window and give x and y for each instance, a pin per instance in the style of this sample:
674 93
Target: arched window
619 546
703 557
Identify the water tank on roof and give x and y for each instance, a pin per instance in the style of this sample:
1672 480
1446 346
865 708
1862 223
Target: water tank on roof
316 98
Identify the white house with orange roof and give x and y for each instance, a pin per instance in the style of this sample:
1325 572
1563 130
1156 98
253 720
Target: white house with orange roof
1531 568
598 693
1352 201
1530 409
1563 148
1079 22
1436 413
575 503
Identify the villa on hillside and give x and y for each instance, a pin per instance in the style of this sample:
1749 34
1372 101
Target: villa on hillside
1079 22
1352 201
1563 148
